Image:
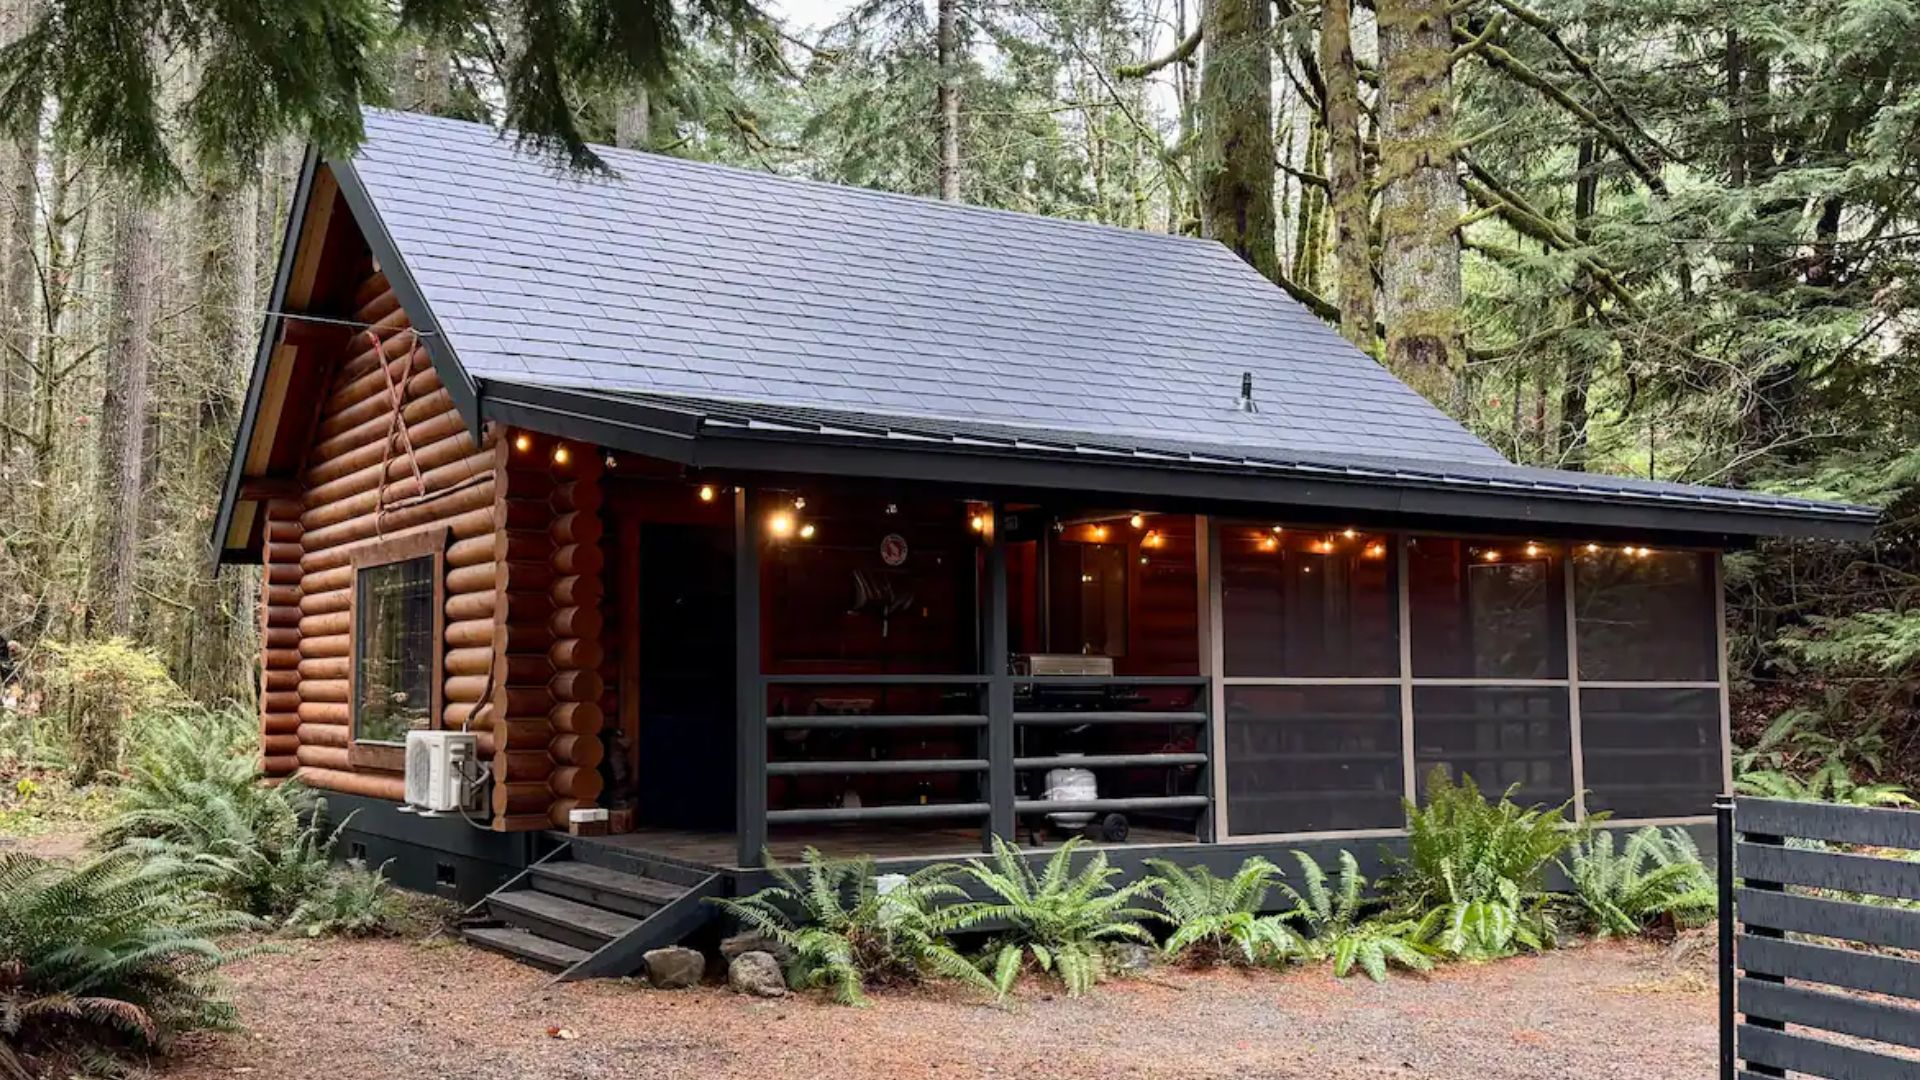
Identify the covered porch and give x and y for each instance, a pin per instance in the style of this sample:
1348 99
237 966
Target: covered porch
870 667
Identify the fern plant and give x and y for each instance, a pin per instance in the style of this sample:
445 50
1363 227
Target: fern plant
1336 931
846 933
355 901
261 856
1216 919
109 955
1654 875
1474 870
1059 918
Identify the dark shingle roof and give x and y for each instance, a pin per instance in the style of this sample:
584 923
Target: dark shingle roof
699 279
745 309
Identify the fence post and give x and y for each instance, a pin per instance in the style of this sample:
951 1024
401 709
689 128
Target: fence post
1723 867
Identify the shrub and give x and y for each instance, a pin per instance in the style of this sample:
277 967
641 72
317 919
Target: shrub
353 901
1059 918
1216 919
846 934
1653 876
108 956
98 688
1336 931
1474 870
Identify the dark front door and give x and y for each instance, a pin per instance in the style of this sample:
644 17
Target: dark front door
686 677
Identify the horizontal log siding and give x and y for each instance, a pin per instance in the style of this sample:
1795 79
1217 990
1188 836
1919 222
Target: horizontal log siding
359 485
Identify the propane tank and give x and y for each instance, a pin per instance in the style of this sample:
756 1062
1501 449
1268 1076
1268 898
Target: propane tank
1071 785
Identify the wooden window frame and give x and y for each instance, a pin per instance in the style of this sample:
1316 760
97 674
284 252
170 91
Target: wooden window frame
428 543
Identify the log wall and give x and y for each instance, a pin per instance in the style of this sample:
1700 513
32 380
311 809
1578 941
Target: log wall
391 457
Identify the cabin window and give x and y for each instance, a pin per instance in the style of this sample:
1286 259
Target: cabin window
393 652
1645 615
1487 609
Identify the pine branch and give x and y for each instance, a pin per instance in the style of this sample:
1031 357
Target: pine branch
1585 68
1506 62
1476 43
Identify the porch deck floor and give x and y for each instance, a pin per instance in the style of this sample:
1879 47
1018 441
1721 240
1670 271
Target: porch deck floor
845 841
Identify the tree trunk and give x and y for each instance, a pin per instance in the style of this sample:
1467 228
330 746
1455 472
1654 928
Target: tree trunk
19 169
1578 379
1235 159
1346 175
123 413
1420 200
633 120
947 101
216 642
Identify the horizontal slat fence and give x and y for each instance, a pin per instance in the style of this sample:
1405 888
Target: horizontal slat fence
1818 974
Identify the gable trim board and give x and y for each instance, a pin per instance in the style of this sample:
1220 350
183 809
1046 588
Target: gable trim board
812 414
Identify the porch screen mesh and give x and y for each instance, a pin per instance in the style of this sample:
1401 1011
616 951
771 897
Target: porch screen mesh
1500 736
1312 758
1651 753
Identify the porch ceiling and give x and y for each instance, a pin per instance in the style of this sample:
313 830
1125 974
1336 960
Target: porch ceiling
711 433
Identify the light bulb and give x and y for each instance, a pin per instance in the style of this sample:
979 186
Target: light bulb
1349 534
523 442
806 531
561 455
978 522
1532 550
780 524
1137 521
707 493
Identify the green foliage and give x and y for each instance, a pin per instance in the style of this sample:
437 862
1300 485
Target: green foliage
1336 931
195 797
1655 875
262 70
114 954
98 690
1217 919
1058 918
353 901
1474 869
1800 757
847 935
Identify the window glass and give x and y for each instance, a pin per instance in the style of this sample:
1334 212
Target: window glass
1500 736
1487 609
1089 595
1308 604
393 650
1651 753
1312 758
1645 615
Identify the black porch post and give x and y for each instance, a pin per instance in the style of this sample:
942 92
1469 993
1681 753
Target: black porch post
750 704
1000 785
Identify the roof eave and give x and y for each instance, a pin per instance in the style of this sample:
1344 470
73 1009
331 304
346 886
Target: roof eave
676 435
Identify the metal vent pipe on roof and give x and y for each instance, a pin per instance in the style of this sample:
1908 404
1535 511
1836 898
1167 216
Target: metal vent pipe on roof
1245 404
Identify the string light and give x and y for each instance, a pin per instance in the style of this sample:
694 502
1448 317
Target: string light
1349 533
1099 532
1278 529
561 455
1376 551
612 462
780 524
1593 549
523 442
707 493
1324 547
1490 555
1138 521
799 502
1269 543
806 531
1533 549
978 523
1152 539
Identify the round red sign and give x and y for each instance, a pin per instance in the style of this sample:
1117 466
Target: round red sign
893 549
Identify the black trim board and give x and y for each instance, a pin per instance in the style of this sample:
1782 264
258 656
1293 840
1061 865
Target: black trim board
646 428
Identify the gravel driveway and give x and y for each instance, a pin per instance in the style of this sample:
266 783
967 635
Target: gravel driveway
388 1009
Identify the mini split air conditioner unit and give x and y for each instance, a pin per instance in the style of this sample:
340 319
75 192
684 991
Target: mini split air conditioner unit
440 770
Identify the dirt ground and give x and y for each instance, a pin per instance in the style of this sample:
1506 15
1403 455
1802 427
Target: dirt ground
388 1009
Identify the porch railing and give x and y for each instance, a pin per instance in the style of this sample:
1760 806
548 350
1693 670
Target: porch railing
992 716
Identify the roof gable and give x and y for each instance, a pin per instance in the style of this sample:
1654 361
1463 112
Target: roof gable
683 277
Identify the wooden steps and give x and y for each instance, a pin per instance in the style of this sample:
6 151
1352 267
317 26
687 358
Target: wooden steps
585 920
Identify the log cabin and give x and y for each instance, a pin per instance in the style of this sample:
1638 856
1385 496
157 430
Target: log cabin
762 513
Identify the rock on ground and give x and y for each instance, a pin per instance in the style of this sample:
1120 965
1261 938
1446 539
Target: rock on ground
757 974
675 968
751 941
